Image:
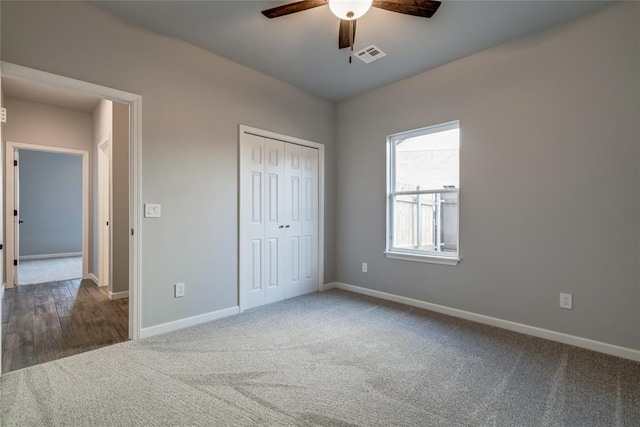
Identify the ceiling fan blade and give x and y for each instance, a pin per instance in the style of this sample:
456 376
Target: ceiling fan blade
424 8
298 6
345 37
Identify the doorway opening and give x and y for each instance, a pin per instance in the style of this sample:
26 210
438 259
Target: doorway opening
100 305
49 225
52 185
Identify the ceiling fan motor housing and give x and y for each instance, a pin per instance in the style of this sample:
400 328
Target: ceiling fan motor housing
349 9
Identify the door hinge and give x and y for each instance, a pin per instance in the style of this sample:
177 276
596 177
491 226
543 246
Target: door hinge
3 115
15 262
15 213
15 163
132 231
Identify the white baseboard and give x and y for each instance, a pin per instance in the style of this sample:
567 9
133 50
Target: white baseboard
48 256
589 344
189 321
118 295
2 288
328 286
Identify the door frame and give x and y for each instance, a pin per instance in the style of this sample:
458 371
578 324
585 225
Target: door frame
11 149
16 221
242 229
105 241
134 102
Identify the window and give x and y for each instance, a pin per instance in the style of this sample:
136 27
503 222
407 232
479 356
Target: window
423 188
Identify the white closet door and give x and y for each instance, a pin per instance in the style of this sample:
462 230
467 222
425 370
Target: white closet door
275 218
293 203
279 215
252 193
309 232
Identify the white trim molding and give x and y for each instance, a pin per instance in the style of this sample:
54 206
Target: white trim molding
118 295
93 278
433 259
601 347
328 286
51 256
163 328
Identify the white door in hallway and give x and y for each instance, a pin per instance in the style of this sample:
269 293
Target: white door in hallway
104 212
279 220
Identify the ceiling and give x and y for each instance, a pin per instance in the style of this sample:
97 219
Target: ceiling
48 95
301 48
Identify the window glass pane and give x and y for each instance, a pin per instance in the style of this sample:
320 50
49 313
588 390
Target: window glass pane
426 222
428 162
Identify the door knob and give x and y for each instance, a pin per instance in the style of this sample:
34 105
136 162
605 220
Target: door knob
286 226
20 221
282 226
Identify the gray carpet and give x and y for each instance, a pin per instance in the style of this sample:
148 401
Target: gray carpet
333 359
32 271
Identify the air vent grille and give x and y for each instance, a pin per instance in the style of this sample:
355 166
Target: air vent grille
370 54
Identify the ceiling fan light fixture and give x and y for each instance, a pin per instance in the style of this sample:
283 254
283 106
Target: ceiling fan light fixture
349 10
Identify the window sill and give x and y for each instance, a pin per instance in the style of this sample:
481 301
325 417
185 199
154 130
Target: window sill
433 259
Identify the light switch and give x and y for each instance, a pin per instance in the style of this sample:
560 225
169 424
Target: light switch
151 210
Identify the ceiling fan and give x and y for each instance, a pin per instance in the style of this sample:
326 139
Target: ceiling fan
350 10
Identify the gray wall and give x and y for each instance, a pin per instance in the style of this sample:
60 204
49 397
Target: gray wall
548 130
50 203
193 102
549 200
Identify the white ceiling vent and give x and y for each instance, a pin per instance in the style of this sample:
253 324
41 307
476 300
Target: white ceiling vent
370 54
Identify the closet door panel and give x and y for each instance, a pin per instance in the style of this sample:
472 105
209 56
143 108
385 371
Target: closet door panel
274 220
293 203
252 278
309 223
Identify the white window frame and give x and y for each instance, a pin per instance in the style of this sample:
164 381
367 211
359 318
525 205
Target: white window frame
415 254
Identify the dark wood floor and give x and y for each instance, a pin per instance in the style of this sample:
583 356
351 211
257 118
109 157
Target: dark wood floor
49 321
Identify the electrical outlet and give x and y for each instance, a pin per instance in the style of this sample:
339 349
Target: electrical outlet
364 267
178 289
566 301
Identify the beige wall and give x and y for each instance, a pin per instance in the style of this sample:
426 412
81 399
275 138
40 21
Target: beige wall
120 178
112 119
192 104
549 178
40 124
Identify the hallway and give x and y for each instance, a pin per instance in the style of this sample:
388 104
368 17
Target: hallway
49 321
